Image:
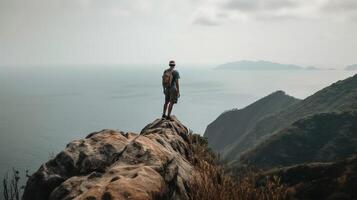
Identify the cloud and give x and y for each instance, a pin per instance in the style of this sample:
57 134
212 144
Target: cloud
334 6
79 7
255 5
208 16
275 10
204 20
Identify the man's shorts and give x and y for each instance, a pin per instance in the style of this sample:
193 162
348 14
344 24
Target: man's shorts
171 95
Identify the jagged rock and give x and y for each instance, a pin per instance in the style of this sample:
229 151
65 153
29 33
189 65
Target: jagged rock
109 165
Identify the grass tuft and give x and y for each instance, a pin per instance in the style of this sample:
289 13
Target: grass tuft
212 181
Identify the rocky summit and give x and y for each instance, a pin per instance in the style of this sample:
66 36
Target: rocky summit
109 164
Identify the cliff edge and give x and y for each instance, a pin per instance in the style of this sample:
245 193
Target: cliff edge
109 164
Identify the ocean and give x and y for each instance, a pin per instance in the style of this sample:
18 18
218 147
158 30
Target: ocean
43 109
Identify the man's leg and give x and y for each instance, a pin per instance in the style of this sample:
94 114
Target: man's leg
173 100
171 105
167 100
165 108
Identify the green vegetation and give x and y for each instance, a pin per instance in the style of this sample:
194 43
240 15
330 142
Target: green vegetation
319 138
233 125
340 96
311 181
212 181
11 185
310 145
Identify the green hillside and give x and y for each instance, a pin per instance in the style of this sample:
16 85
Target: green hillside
315 181
320 138
340 96
232 125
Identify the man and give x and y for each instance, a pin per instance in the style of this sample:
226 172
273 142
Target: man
170 83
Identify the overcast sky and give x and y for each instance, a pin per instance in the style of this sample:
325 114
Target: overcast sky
80 32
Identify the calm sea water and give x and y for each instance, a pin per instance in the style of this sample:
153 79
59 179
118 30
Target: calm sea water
41 110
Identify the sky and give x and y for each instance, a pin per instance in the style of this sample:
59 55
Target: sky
319 33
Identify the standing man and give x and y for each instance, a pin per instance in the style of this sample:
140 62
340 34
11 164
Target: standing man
170 83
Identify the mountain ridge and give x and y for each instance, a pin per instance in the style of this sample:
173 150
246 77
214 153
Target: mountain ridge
246 117
339 96
323 137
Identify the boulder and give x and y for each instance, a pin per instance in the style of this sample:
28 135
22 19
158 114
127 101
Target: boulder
109 164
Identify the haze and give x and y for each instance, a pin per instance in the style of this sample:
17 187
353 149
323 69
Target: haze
105 32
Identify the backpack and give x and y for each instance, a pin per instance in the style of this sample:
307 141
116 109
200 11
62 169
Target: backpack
167 78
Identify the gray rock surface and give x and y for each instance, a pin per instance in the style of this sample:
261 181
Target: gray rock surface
115 165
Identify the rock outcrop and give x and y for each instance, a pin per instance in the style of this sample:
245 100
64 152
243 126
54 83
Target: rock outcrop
108 164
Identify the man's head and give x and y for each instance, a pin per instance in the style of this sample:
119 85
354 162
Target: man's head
172 64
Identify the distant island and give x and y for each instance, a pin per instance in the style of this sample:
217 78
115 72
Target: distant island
351 67
261 65
312 68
